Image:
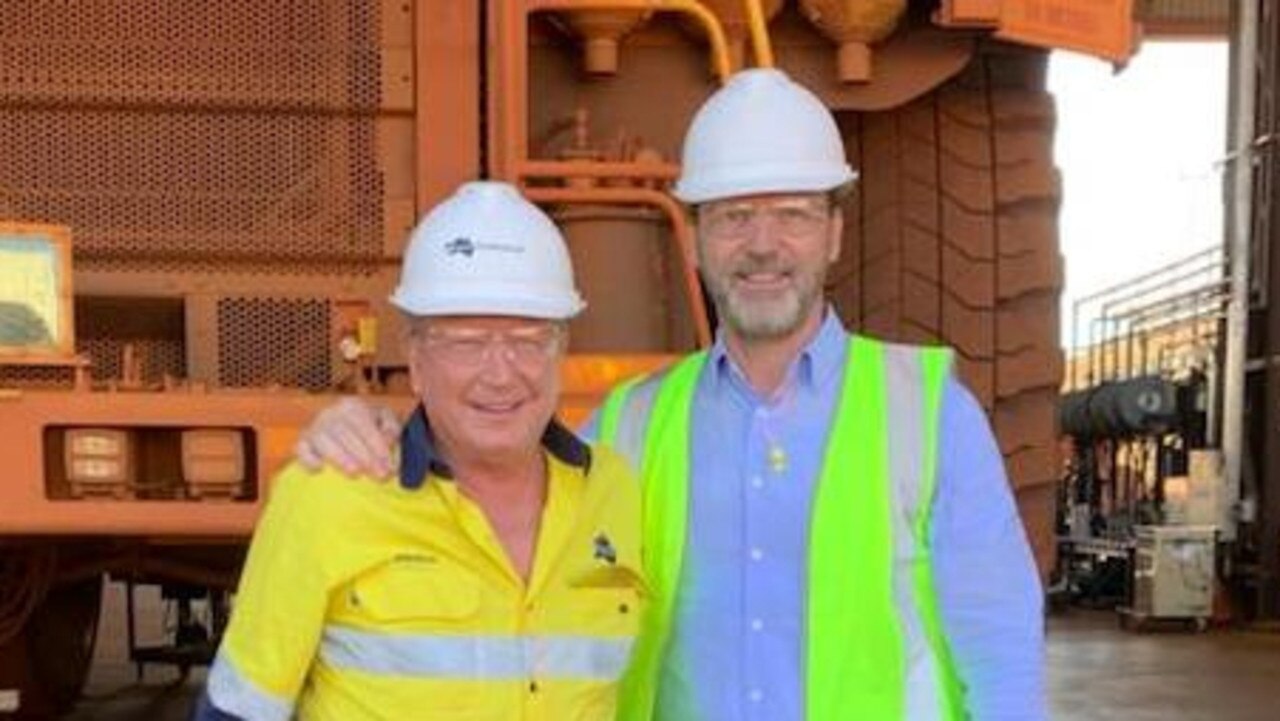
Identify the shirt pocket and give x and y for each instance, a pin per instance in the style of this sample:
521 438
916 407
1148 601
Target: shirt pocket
426 597
411 630
609 600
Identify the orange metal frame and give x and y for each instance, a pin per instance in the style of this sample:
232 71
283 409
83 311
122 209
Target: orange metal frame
446 99
681 233
276 417
508 141
24 416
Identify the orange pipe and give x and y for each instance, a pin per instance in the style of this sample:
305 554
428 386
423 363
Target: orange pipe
596 169
760 43
509 39
679 226
509 32
692 8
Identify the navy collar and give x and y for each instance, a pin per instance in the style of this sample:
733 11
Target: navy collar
419 456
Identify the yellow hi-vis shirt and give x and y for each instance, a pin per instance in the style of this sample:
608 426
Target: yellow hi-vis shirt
367 600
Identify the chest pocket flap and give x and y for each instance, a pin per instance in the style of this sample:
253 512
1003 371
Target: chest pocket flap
415 593
616 577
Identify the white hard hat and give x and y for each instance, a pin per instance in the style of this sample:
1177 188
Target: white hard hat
487 251
761 133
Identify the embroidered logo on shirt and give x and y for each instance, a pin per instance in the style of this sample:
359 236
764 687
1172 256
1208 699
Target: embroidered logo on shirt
604 549
420 559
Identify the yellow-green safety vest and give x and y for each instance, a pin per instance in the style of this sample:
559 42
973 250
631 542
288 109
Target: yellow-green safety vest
870 560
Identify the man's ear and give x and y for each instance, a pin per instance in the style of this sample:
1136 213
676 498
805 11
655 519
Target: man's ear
835 236
413 354
693 254
415 374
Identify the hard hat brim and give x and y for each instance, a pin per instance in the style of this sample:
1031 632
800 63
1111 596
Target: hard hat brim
516 304
764 179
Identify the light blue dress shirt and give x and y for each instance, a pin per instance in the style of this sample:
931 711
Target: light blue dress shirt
737 650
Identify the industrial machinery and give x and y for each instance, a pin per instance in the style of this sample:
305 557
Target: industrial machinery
209 201
1174 574
1144 501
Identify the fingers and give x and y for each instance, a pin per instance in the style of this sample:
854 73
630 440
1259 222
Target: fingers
351 435
335 448
388 424
306 454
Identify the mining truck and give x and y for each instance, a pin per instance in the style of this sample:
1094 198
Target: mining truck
203 208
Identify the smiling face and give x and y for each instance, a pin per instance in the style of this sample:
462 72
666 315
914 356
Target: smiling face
764 259
489 384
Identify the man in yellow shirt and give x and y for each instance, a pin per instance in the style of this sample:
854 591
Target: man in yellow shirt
498 579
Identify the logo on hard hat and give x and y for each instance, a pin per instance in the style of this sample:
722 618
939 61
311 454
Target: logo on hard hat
468 247
460 246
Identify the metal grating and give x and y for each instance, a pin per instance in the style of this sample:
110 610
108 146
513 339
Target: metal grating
44 377
154 327
187 135
295 54
274 341
159 357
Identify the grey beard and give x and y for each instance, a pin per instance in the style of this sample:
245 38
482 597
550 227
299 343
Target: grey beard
766 321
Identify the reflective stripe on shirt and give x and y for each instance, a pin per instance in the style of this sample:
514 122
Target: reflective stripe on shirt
490 658
232 693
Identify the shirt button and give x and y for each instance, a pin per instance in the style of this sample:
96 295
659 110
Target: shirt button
756 554
756 695
756 624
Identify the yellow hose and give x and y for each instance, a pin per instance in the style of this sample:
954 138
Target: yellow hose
760 44
692 8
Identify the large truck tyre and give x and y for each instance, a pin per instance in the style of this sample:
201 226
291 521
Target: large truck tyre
48 629
952 237
61 637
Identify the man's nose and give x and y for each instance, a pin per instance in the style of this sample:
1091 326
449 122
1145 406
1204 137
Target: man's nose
762 235
498 362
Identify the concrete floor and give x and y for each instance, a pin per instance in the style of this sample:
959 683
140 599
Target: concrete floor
1096 672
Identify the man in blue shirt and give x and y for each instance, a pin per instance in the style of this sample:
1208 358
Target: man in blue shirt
759 622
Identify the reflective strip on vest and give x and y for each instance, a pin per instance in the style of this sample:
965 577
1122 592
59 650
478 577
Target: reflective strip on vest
935 370
898 659
485 658
612 408
232 693
624 418
655 430
914 379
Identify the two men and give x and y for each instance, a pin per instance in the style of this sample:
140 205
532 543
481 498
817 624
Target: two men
828 532
498 575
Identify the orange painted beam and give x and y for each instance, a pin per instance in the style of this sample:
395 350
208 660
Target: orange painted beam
447 97
275 418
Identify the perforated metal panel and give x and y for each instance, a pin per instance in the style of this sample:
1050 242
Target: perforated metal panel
193 135
274 341
153 327
158 357
36 377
